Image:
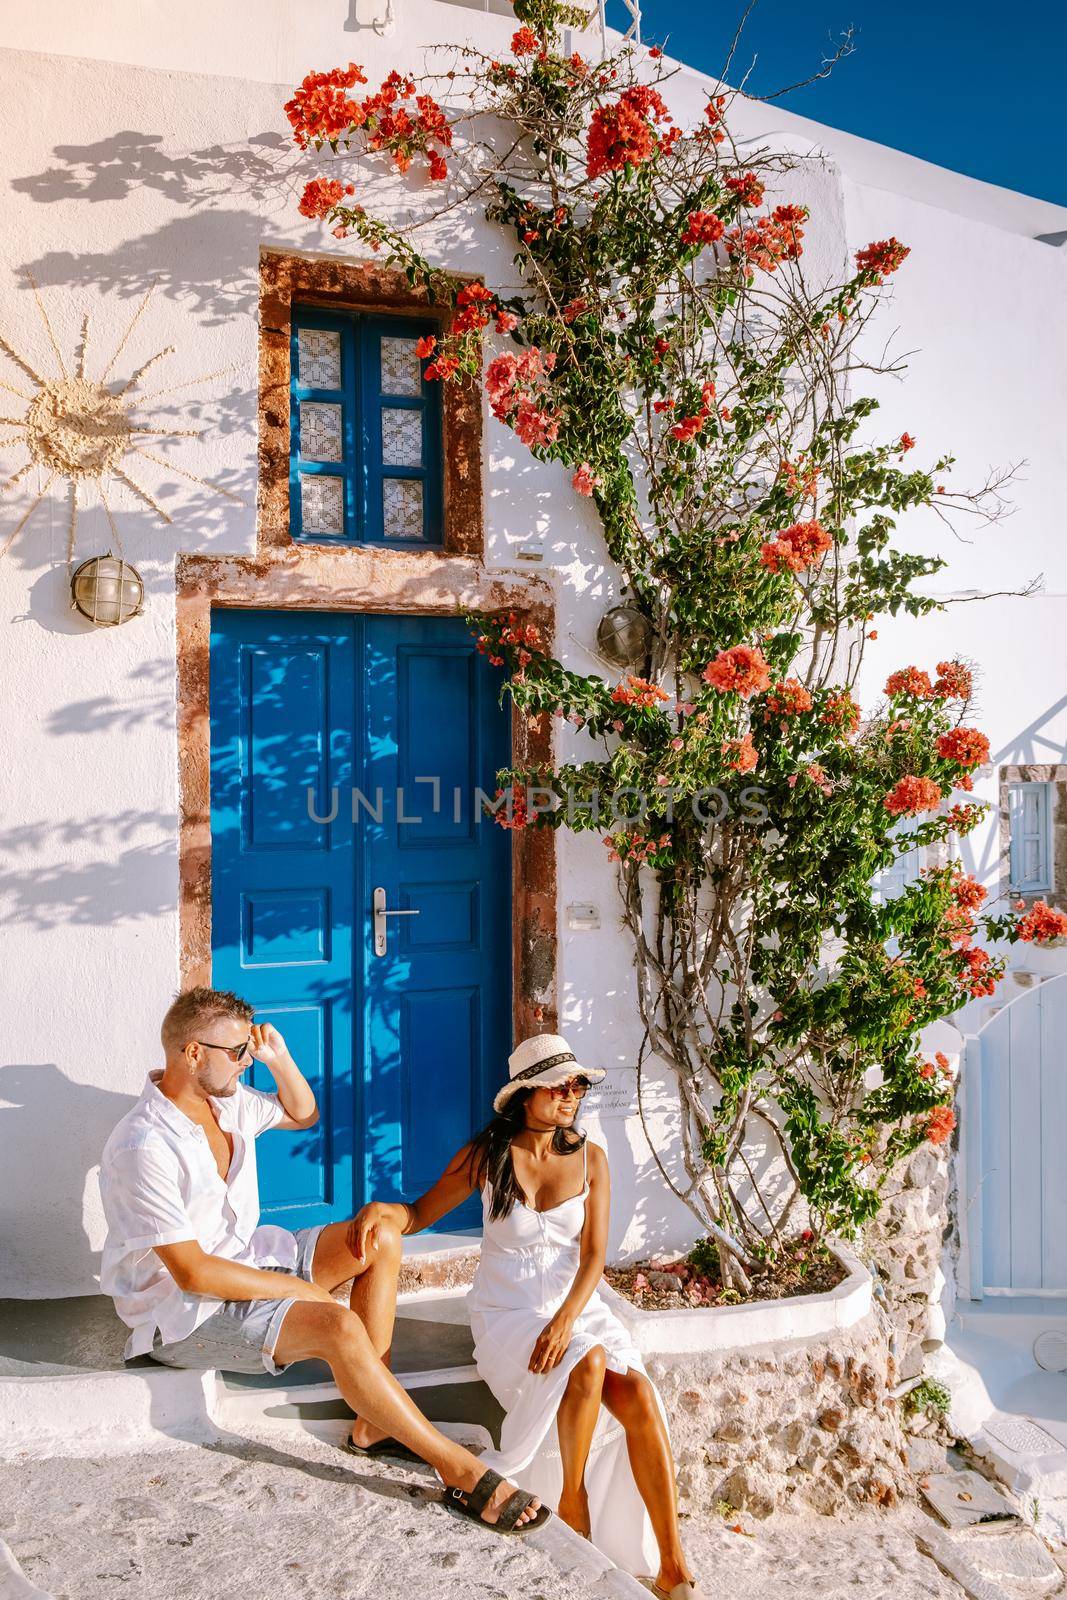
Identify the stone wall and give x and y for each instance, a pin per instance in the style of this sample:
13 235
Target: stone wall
809 1423
905 1247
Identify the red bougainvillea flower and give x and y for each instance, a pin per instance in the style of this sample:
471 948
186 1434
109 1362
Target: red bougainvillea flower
519 817
967 891
585 480
515 385
768 241
741 754
1041 924
910 681
954 681
841 712
977 975
743 670
819 777
574 308
787 699
321 111
505 321
631 846
966 746
321 195
796 548
912 795
627 133
748 189
882 257
939 1124
703 227
524 42
443 368
425 346
905 443
633 691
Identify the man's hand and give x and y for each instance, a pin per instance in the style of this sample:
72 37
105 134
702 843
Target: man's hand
268 1046
300 1289
552 1343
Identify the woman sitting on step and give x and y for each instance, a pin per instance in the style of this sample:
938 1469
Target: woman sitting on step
585 1429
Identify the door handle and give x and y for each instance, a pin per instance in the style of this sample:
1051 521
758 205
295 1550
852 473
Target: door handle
380 912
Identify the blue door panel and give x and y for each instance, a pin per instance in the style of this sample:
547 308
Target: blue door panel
402 1050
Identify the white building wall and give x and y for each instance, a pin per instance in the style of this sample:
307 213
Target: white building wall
139 163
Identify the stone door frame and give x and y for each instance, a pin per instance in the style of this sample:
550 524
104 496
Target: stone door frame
300 575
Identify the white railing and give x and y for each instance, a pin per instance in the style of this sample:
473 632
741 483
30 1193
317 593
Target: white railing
1013 1116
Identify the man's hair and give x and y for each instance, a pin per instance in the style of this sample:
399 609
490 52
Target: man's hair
193 1013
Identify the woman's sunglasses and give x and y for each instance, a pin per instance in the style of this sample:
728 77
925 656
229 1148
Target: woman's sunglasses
573 1086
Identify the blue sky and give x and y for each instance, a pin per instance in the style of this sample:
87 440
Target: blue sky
968 86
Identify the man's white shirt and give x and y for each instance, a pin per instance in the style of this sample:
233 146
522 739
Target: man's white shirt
160 1185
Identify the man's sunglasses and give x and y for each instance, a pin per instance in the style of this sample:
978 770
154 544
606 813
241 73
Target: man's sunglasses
573 1086
236 1052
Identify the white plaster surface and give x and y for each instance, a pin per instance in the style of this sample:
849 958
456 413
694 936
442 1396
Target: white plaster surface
284 1514
152 150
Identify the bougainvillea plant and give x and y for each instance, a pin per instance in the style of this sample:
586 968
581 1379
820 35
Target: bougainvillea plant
663 342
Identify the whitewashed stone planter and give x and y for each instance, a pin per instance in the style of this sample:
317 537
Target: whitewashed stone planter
780 1403
685 1332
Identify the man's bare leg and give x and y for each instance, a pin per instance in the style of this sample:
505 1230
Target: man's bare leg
336 1336
373 1295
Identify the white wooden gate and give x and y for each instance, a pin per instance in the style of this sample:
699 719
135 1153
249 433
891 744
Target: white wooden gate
1014 1127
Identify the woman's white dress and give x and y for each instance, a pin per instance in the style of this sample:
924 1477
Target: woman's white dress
528 1263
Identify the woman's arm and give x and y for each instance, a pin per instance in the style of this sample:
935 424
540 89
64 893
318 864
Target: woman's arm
450 1191
554 1338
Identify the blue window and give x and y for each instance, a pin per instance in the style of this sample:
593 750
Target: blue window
365 432
1030 820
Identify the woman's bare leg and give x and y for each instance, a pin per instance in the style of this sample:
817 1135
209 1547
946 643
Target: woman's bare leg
373 1293
575 1422
630 1398
332 1334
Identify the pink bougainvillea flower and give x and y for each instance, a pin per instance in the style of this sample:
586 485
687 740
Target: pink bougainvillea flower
796 548
585 480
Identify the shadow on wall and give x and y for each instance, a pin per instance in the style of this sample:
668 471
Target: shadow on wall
48 1124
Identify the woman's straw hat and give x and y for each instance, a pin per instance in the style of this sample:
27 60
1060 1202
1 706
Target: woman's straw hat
538 1063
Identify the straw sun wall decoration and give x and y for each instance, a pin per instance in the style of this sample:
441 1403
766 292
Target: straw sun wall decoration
88 431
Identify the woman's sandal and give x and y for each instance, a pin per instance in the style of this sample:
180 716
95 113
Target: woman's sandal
681 1591
471 1504
391 1449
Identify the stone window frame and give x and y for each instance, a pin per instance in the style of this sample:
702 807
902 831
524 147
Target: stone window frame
288 574
339 285
1056 775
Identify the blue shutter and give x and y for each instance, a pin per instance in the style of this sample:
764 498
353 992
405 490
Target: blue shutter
1030 820
365 451
401 429
324 441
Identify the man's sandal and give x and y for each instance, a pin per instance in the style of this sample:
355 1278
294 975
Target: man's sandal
390 1449
472 1505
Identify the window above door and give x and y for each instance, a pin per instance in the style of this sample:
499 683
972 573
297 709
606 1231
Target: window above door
365 459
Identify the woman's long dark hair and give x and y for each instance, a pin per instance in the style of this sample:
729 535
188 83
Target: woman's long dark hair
490 1152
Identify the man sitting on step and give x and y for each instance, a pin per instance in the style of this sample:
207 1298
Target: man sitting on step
202 1284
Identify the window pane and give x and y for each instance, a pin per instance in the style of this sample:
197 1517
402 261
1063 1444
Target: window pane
319 358
401 437
401 367
402 508
322 504
320 432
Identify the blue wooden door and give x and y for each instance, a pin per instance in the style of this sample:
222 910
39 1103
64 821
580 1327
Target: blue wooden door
312 714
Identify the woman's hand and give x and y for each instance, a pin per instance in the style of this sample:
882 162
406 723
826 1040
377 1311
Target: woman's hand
552 1343
363 1229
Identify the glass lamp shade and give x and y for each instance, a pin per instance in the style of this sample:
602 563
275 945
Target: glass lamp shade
623 636
107 590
